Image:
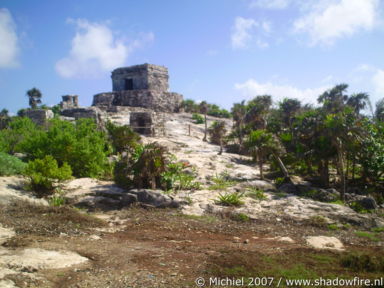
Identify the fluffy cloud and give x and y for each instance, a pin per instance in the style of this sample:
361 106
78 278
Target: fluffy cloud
9 41
244 33
252 88
337 19
269 4
378 82
95 49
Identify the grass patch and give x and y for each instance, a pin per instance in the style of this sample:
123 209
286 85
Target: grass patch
203 218
317 221
221 182
378 229
241 217
367 235
363 263
338 202
333 227
256 194
230 199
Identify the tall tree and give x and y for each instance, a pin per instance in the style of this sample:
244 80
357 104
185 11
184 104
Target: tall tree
34 95
217 132
379 112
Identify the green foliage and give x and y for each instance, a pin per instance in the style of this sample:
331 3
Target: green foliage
18 131
367 235
81 145
198 118
256 193
363 263
358 208
217 132
175 178
44 173
34 96
378 229
123 138
333 227
230 199
10 165
221 182
279 181
241 217
57 200
143 168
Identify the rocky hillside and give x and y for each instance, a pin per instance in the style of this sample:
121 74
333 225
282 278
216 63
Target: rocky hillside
119 238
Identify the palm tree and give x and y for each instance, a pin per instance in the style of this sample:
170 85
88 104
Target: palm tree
217 132
204 110
4 118
34 95
239 111
334 99
257 111
358 102
262 144
379 112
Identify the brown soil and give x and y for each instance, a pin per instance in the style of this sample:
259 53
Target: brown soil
162 248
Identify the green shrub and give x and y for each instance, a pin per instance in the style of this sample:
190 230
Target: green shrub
333 227
10 165
57 200
81 145
175 178
18 131
143 168
198 118
367 235
358 208
123 138
230 199
43 173
279 181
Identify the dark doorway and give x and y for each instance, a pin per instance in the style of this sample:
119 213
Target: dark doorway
128 84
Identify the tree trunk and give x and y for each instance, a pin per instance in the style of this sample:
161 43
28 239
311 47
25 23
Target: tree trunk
353 167
324 172
341 168
221 147
283 168
260 160
347 167
205 130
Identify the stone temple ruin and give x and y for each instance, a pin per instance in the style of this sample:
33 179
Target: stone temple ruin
143 86
140 98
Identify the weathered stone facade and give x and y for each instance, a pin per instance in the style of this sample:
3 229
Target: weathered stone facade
39 116
140 86
147 123
88 112
69 101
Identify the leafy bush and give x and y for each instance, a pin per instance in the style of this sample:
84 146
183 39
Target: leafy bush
123 138
358 207
143 168
230 199
175 178
279 181
43 173
10 165
81 145
18 131
57 200
198 118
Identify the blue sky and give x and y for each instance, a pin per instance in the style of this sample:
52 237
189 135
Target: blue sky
222 51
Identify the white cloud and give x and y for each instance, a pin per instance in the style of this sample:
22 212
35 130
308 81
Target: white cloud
244 33
342 18
269 4
252 88
378 83
94 49
9 48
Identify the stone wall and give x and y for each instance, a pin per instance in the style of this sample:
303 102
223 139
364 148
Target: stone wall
151 99
144 76
69 101
89 112
39 116
147 123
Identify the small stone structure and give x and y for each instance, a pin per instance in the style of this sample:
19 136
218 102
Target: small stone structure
147 123
140 86
87 112
69 101
38 116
